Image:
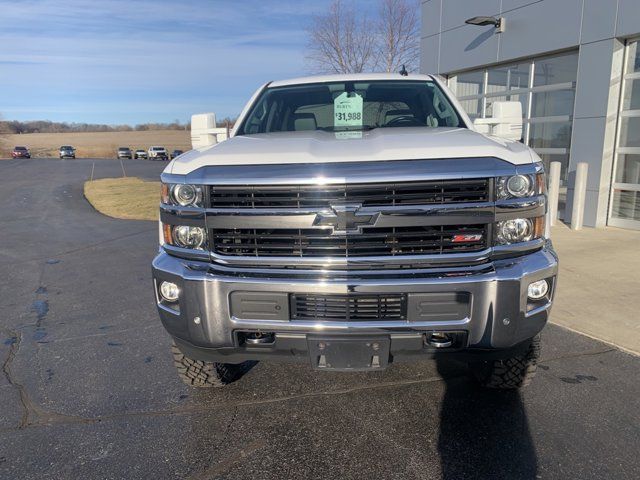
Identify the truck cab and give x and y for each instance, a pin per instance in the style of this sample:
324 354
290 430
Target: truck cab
354 221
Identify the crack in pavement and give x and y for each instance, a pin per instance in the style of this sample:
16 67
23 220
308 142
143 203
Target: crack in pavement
226 464
6 369
32 414
46 418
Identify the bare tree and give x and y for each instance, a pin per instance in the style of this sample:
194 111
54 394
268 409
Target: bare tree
341 41
399 35
346 41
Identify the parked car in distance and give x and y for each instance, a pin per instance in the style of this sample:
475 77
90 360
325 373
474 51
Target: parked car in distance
20 152
158 153
67 151
140 153
176 153
125 152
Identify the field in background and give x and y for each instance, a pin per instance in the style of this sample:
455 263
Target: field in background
95 144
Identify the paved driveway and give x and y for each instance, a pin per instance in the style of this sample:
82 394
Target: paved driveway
88 389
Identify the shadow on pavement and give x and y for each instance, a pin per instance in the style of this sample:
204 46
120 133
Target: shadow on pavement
483 433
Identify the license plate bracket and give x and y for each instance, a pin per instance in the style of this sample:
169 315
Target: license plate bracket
330 353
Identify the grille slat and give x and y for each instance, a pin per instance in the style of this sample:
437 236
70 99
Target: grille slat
372 242
372 194
352 307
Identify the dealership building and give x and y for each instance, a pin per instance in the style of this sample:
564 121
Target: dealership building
575 67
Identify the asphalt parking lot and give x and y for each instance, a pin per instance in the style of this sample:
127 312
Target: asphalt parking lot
88 389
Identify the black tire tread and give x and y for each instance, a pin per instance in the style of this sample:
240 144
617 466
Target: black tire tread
201 374
511 373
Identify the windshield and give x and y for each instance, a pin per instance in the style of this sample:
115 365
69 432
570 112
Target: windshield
124 149
340 106
20 148
66 147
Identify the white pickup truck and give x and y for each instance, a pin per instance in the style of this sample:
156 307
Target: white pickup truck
157 153
352 221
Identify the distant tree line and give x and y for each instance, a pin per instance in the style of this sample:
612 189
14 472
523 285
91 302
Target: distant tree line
46 126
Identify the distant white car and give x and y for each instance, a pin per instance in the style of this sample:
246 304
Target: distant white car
157 153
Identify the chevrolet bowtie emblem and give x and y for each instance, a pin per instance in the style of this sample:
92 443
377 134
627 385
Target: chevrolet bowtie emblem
345 218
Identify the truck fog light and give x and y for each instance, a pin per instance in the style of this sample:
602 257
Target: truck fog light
169 291
538 290
189 237
514 231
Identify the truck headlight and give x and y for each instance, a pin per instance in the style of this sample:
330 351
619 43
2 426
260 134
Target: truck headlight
516 186
182 194
519 230
186 236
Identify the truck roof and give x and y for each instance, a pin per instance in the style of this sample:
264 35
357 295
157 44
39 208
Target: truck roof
351 77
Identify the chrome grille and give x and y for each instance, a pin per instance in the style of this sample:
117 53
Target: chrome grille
348 307
368 195
314 242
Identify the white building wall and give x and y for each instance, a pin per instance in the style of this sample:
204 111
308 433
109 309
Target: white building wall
597 28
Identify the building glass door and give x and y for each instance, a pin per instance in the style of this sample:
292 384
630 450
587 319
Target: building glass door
624 207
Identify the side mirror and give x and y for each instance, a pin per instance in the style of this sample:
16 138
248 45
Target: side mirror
204 131
506 121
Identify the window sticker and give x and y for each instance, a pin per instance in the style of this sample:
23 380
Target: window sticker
347 110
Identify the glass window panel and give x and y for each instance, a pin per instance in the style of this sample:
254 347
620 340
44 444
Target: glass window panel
508 77
470 83
550 135
628 168
633 63
626 204
564 164
631 98
630 132
558 69
472 107
549 104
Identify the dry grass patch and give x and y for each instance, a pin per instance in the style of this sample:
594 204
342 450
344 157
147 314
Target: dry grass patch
127 197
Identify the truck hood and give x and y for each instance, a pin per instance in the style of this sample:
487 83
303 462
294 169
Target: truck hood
380 144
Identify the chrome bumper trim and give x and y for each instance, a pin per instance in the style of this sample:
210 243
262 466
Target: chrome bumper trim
497 293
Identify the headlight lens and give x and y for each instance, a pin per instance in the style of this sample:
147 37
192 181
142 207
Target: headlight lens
189 237
169 291
185 194
514 231
182 194
516 186
538 290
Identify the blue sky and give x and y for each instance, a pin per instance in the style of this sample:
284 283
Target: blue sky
136 61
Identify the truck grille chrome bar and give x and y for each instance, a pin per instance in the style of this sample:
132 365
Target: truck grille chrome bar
367 195
314 242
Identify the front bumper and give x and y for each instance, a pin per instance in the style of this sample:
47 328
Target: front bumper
499 315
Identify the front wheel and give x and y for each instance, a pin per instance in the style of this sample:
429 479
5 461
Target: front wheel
509 373
198 373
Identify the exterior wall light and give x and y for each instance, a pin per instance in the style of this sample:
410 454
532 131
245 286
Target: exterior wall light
498 23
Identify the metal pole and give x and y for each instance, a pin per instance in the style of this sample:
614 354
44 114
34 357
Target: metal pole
579 195
554 191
